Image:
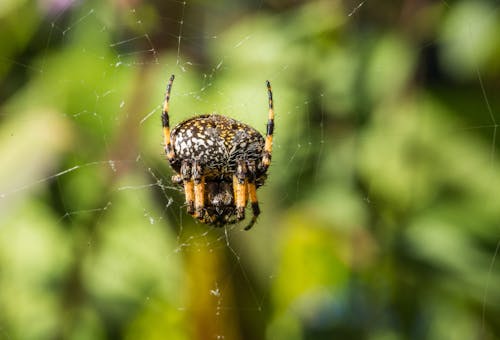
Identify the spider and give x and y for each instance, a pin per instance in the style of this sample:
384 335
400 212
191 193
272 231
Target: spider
220 162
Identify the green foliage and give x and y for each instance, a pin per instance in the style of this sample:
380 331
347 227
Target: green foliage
380 216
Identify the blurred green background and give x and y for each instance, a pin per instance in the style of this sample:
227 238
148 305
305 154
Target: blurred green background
381 214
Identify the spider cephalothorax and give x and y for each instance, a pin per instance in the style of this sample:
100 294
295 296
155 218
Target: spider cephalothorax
220 162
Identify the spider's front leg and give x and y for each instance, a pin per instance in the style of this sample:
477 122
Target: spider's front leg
252 193
188 186
199 190
165 120
268 147
240 189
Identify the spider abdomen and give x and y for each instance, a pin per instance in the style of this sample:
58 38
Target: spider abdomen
217 142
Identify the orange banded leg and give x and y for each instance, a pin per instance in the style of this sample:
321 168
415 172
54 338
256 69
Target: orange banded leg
188 186
252 194
240 189
268 147
169 150
199 190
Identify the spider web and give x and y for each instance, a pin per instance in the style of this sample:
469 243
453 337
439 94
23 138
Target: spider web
91 213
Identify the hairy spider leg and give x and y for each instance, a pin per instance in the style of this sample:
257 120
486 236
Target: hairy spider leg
240 189
199 190
169 150
188 186
268 147
252 194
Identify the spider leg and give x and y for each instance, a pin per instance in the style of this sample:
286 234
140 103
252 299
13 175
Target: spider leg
176 179
188 186
252 194
199 190
268 147
169 150
240 189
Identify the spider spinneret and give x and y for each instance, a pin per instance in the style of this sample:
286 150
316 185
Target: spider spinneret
219 161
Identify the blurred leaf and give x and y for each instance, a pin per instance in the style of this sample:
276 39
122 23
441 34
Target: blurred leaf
34 256
30 146
389 68
469 36
133 258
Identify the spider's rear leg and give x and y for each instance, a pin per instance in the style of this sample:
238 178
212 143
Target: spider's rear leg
252 193
199 190
188 185
240 189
